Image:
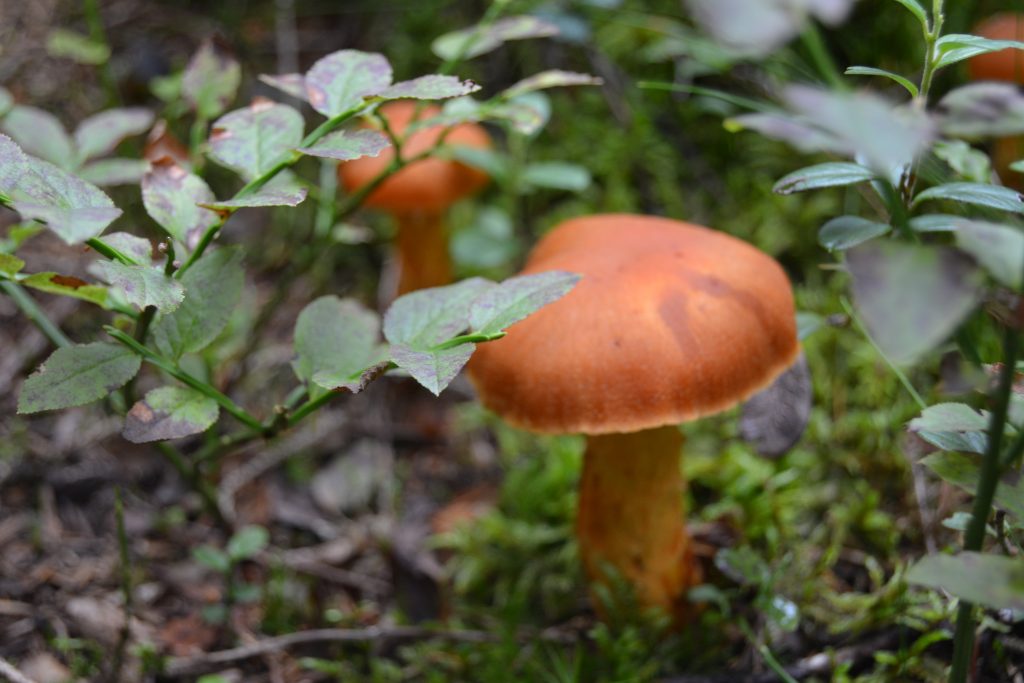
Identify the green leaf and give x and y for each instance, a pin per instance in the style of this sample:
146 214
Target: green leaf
210 557
917 10
831 174
13 165
290 84
65 285
844 232
956 47
998 248
253 140
950 417
478 40
10 264
911 296
556 175
247 542
265 197
213 287
169 413
346 145
433 369
336 342
211 80
992 581
553 78
807 324
425 318
965 471
489 241
497 308
106 172
970 164
100 134
872 71
40 134
138 248
76 47
72 208
980 110
340 81
172 197
77 375
432 87
934 222
144 285
981 194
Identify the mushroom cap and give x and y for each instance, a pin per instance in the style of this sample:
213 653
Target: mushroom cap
670 322
429 185
1004 65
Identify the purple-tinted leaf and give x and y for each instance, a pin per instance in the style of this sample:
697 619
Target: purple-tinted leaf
143 285
169 413
138 248
72 208
757 28
497 308
553 78
998 248
478 40
172 196
992 581
911 296
346 145
425 318
254 139
77 375
434 369
40 134
432 87
775 418
981 110
106 172
290 84
100 134
337 344
211 79
13 164
265 197
340 81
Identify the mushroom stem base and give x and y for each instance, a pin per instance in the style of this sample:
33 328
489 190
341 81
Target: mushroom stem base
631 520
423 259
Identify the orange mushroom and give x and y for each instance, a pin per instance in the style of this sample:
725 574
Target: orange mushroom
670 322
418 196
1004 65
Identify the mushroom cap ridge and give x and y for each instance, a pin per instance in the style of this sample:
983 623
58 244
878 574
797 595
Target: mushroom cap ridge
428 185
670 322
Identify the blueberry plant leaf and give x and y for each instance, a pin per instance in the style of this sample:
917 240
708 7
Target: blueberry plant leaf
434 369
172 196
254 139
425 318
169 413
265 197
911 296
980 194
340 81
72 208
337 344
998 248
512 300
956 47
964 471
66 285
13 165
950 417
211 80
980 110
993 581
40 134
143 285
346 145
106 172
100 134
829 174
138 248
10 264
77 375
552 78
844 232
479 40
290 84
431 87
213 287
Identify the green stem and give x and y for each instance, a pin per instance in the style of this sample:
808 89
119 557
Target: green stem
31 310
98 34
472 338
110 252
172 369
126 587
765 652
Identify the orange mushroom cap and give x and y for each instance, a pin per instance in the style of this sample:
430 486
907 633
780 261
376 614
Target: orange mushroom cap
670 322
1004 65
427 185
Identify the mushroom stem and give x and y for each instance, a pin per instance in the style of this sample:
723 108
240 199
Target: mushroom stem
423 259
631 516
